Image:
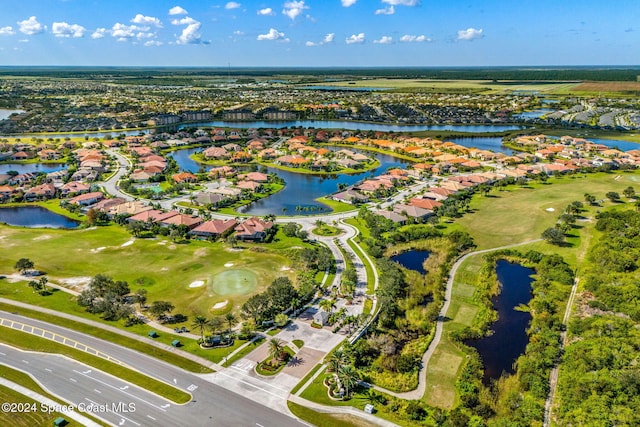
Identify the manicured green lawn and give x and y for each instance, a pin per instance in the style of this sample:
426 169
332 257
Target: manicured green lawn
520 214
326 420
30 342
337 207
170 357
165 269
33 418
326 230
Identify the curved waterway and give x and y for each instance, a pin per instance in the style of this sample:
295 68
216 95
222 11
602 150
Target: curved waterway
35 217
350 125
31 167
301 190
500 350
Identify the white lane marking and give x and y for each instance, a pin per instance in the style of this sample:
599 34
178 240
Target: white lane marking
120 415
124 388
149 416
48 370
25 361
97 391
165 406
124 392
73 380
2 354
192 387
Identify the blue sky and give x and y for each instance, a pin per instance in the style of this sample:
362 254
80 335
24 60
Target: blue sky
320 32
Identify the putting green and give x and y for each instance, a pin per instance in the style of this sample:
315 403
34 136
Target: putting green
234 282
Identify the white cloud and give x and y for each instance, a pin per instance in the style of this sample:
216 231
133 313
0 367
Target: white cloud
99 33
273 34
146 20
62 29
384 40
177 10
123 32
401 2
407 38
294 8
238 33
6 31
187 20
327 39
191 33
232 5
470 34
355 38
153 43
386 11
31 26
347 3
267 11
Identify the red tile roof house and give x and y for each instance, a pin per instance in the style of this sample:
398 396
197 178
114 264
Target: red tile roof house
87 199
257 177
152 216
184 177
44 191
181 219
425 203
6 191
214 229
248 185
253 229
73 188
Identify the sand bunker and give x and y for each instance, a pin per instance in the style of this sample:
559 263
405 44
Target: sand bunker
229 264
220 304
75 281
196 284
550 210
129 243
43 237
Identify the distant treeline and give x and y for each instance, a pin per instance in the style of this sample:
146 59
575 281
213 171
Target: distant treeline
530 74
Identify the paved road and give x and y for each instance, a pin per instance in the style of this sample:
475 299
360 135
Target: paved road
211 404
111 184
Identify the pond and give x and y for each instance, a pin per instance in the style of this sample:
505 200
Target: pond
31 167
35 217
500 350
412 260
300 190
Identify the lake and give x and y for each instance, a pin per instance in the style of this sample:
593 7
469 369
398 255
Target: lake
31 167
350 125
509 339
300 190
412 260
35 217
4 114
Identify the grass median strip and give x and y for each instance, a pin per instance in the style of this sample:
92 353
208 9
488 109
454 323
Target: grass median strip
29 342
326 420
30 419
158 353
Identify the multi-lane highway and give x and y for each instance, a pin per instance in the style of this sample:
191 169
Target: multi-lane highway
129 405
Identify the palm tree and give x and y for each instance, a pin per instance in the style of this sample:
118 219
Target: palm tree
200 322
276 346
215 324
231 320
349 378
337 360
327 305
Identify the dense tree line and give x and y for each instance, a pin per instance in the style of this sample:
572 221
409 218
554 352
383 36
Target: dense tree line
599 380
